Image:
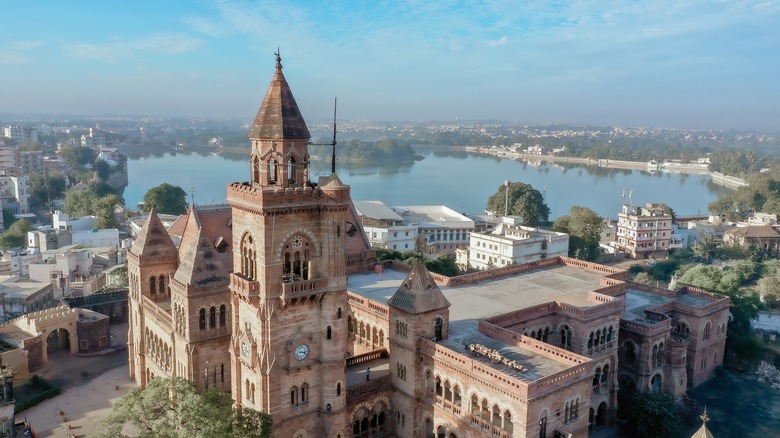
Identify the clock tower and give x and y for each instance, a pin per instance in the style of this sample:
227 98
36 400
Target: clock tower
288 288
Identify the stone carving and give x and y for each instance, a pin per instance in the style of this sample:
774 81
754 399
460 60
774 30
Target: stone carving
495 356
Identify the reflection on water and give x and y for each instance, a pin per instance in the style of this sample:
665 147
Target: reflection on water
461 180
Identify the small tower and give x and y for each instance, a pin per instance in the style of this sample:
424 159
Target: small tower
151 261
418 309
279 138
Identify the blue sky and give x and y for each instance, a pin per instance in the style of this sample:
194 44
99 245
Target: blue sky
657 63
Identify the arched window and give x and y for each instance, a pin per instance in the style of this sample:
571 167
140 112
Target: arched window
202 319
660 359
222 315
707 331
291 171
438 386
152 285
496 417
304 392
338 313
162 284
629 350
338 389
508 422
596 377
328 334
609 334
440 432
543 425
248 257
456 396
212 317
293 394
437 329
271 171
605 374
655 355
596 339
590 340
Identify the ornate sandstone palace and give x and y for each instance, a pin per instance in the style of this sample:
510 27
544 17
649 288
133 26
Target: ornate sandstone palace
277 298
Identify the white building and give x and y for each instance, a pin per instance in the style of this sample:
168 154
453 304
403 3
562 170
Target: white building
439 228
62 221
384 227
13 190
108 238
96 138
644 231
511 243
21 134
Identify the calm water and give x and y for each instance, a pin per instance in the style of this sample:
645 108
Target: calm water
460 180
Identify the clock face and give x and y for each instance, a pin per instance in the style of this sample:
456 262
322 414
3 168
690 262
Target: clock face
245 348
301 352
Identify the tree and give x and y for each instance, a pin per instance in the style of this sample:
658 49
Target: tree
524 201
79 203
174 407
654 415
15 235
78 156
8 218
43 187
165 198
583 226
104 211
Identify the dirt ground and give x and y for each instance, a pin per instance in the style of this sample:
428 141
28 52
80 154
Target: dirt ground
90 386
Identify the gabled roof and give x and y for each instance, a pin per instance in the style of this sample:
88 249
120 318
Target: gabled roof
279 116
153 239
754 231
200 263
419 293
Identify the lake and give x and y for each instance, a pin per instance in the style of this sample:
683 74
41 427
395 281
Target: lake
460 180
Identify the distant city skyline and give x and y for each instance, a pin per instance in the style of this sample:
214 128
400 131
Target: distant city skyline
675 64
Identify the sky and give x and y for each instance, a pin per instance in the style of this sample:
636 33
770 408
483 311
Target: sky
710 64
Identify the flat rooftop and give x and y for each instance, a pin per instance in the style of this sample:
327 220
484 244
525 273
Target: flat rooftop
638 300
488 298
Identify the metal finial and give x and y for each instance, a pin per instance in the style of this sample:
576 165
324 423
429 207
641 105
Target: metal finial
192 194
704 416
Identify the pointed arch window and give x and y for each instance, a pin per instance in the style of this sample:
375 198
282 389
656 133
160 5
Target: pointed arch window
291 171
222 315
271 171
437 329
152 285
161 283
202 319
212 317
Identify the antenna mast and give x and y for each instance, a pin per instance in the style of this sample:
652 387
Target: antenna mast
333 143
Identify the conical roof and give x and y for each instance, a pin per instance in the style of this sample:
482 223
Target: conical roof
153 239
200 265
703 432
419 293
279 116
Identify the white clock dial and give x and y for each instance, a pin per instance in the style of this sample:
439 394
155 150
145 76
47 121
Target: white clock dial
301 352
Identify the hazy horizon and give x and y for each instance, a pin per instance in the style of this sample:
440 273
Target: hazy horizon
655 64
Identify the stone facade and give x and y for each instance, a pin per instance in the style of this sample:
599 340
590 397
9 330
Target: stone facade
277 298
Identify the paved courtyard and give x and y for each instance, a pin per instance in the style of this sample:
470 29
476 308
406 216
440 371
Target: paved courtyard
90 386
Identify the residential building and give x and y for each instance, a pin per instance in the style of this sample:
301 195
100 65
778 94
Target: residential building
31 161
385 228
276 298
510 243
644 232
13 190
22 135
10 157
439 228
96 138
764 237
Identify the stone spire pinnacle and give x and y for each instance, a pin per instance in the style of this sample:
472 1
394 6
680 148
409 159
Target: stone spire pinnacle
279 116
419 293
153 240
